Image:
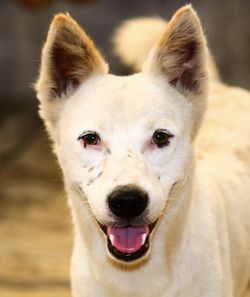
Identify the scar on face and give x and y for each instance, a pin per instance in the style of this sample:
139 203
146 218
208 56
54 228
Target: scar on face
174 186
92 180
91 168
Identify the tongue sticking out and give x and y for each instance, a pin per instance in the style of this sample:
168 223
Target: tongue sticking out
128 239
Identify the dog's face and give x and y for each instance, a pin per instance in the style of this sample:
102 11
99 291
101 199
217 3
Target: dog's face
125 143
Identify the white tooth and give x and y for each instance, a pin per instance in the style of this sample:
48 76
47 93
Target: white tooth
112 239
143 239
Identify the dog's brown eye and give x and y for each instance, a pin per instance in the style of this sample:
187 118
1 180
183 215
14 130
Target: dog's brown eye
161 138
90 138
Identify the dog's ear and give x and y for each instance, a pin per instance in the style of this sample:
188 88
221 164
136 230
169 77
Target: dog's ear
68 58
179 54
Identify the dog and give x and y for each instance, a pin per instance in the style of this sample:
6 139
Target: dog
155 164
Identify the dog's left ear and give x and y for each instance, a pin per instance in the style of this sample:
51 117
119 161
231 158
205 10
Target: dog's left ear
179 55
68 58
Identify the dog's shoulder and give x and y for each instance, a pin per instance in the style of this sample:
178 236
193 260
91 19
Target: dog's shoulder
226 127
223 146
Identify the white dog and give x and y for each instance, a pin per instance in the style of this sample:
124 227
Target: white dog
158 210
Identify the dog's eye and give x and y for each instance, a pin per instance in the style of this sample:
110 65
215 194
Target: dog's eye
161 138
90 138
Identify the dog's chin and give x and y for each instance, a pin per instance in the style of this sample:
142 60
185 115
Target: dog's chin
129 244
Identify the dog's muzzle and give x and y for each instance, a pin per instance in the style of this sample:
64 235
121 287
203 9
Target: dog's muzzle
128 238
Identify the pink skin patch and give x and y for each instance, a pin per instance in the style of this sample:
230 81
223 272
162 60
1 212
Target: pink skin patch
128 239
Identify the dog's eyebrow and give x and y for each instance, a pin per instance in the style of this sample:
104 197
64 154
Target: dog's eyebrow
150 126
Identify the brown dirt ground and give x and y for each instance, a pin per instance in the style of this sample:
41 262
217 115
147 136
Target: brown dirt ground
35 226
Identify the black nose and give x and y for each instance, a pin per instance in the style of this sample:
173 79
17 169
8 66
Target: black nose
127 202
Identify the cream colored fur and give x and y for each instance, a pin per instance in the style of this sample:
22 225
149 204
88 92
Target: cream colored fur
199 185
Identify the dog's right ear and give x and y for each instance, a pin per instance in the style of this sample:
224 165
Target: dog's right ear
68 58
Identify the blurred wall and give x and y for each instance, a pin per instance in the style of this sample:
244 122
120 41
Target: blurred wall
22 32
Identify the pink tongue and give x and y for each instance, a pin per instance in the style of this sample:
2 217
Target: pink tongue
128 240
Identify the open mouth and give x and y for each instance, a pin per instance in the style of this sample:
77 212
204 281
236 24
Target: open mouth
128 243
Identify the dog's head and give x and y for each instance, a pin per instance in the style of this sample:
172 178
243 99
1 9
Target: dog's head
124 143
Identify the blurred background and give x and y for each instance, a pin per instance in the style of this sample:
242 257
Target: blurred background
35 225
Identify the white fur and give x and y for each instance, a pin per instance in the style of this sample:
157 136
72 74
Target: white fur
201 244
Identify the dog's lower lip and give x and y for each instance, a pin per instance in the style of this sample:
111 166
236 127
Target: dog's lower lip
129 256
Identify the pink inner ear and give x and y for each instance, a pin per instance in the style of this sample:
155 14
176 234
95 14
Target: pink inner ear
184 74
185 78
185 67
188 65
